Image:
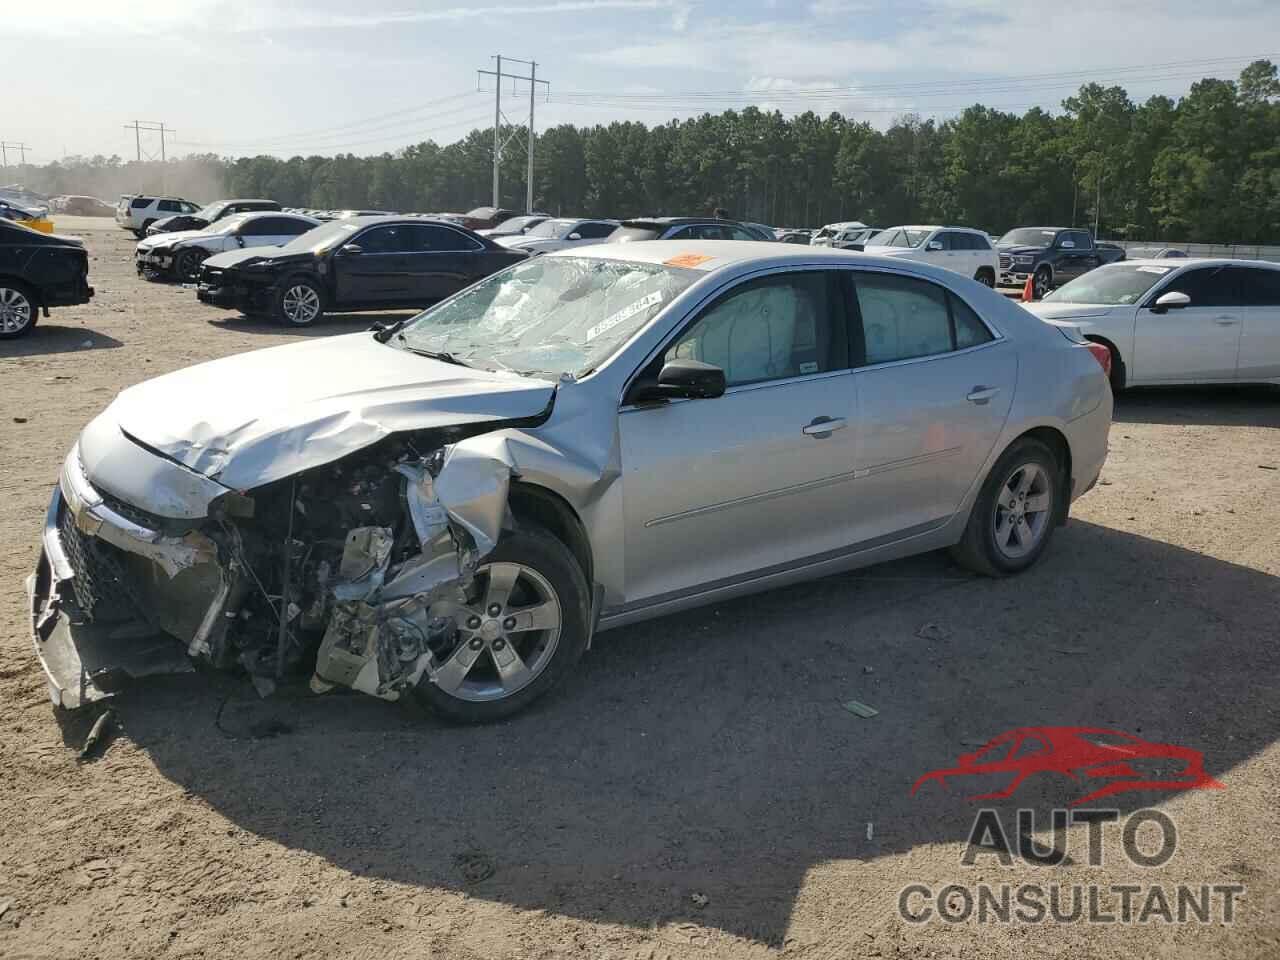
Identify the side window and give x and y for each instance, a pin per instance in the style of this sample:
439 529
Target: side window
737 233
433 239
900 239
902 317
1027 747
684 233
169 206
945 238
1207 287
769 329
140 203
709 231
595 231
257 227
292 227
385 240
1259 287
970 331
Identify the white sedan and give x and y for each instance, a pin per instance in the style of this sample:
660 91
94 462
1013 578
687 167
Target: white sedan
178 255
959 249
1177 321
560 234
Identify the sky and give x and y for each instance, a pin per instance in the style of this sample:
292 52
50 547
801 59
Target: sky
241 77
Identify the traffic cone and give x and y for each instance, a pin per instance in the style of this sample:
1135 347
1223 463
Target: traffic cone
1028 291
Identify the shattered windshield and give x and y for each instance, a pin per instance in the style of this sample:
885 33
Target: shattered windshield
553 229
547 316
324 237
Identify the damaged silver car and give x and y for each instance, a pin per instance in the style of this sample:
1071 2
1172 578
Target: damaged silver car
450 507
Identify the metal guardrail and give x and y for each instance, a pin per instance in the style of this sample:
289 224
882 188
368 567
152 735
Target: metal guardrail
1136 249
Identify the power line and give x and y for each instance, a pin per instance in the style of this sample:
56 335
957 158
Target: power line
498 143
6 146
415 137
139 126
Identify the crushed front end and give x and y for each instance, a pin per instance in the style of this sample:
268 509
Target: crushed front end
353 573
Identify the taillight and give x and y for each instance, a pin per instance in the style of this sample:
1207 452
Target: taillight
1102 354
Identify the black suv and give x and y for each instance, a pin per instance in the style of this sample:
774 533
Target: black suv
38 271
210 214
683 228
362 263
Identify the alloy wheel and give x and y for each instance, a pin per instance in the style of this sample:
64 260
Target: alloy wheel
506 636
15 310
1023 509
301 304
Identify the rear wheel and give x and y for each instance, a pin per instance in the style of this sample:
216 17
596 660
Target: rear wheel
299 302
521 632
1015 513
18 310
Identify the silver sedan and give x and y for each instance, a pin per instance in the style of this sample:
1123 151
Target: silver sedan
449 508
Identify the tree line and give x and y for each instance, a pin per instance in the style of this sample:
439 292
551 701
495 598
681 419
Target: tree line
1204 167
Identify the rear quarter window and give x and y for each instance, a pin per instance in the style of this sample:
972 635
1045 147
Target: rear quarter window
141 203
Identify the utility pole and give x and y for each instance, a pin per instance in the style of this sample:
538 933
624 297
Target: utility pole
498 142
139 127
7 145
1097 210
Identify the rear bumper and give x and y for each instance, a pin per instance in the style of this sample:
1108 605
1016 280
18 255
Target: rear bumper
1088 437
67 294
109 597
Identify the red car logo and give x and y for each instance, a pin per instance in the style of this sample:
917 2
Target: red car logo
1079 753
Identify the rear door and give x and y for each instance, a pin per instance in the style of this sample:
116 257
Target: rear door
1259 357
934 387
1197 342
444 261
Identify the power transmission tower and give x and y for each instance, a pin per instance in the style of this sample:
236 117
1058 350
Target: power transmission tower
498 142
6 146
139 127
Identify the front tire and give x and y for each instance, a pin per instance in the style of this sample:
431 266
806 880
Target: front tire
1043 283
18 310
520 635
299 302
986 277
1016 512
187 264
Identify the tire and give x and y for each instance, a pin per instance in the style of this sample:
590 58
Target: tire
980 549
985 276
548 579
143 232
187 263
1043 283
299 302
18 310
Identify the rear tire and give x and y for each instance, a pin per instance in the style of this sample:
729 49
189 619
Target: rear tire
1016 512
548 576
18 310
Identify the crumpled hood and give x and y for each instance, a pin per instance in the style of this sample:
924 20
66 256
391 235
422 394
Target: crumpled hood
1049 310
260 416
168 239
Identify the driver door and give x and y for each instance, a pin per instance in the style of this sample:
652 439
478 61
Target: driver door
380 272
1197 342
716 490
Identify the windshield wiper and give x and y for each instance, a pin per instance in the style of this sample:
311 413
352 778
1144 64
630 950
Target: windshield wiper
442 355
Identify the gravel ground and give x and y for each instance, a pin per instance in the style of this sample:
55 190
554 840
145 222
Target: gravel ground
697 790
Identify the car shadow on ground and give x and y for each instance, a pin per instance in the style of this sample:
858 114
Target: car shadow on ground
710 752
50 338
1252 405
330 324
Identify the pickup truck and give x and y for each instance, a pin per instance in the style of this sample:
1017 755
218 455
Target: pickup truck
1051 255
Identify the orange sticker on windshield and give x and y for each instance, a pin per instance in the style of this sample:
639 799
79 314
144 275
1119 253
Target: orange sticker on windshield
688 260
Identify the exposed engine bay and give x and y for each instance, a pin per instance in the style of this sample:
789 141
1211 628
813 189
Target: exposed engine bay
356 573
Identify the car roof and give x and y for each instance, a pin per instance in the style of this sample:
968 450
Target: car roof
711 256
674 221
1179 263
404 218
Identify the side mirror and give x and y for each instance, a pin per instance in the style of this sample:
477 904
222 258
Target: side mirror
682 379
575 236
935 244
1173 300
350 250
1068 244
239 240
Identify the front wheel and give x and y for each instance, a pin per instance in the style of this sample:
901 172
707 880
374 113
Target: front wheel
18 310
1015 513
524 627
187 264
986 277
299 302
1042 283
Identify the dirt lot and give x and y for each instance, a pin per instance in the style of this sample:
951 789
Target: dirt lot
704 756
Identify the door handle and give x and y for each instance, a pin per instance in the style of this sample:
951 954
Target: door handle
982 395
1224 321
822 427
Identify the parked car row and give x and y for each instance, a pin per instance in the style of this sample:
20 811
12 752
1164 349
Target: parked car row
38 271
